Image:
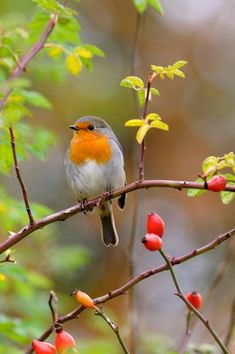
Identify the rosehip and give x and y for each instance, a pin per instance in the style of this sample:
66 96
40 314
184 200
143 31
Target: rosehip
155 224
195 299
64 341
217 183
43 347
152 242
84 299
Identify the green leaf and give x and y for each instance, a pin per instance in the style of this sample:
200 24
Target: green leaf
141 97
36 99
141 133
140 5
227 197
133 82
196 192
94 50
154 91
74 64
159 124
209 165
134 123
157 6
54 6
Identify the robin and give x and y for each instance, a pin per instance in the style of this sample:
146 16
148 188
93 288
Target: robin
93 165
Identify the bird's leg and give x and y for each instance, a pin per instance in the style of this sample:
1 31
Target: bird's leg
104 195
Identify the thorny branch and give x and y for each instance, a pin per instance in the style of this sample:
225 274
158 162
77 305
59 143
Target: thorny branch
69 212
132 282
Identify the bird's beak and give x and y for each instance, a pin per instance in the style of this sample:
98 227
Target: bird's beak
74 127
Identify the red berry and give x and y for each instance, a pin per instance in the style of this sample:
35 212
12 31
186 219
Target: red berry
155 224
64 341
217 183
152 242
195 299
43 347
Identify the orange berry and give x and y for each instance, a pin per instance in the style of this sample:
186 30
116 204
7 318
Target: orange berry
195 299
43 347
84 299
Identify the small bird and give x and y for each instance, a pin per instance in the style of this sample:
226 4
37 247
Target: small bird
93 165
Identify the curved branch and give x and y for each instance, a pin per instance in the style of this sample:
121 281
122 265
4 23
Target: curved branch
69 212
132 282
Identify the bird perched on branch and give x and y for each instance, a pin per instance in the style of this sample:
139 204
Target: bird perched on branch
93 165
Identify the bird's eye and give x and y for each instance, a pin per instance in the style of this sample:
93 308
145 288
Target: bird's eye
91 127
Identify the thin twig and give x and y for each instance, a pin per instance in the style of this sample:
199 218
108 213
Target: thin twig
142 147
114 327
132 282
231 326
18 175
69 212
188 333
52 302
192 308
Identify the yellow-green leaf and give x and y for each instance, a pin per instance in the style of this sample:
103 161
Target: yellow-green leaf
209 165
154 91
157 69
133 82
141 133
2 277
153 116
179 64
134 123
74 64
179 73
83 52
55 51
159 124
230 159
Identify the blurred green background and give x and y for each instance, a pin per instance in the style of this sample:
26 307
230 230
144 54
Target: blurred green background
200 111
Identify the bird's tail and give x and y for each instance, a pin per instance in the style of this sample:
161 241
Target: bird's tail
108 229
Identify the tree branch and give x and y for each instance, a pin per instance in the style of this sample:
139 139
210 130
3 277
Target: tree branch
69 212
132 282
18 175
180 294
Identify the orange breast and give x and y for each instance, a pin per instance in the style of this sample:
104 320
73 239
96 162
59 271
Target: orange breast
89 146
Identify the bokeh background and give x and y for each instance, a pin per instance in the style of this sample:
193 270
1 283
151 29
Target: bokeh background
200 111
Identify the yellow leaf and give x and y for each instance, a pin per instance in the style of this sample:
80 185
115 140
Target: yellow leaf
83 52
159 124
55 51
134 123
74 64
142 131
2 277
153 116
